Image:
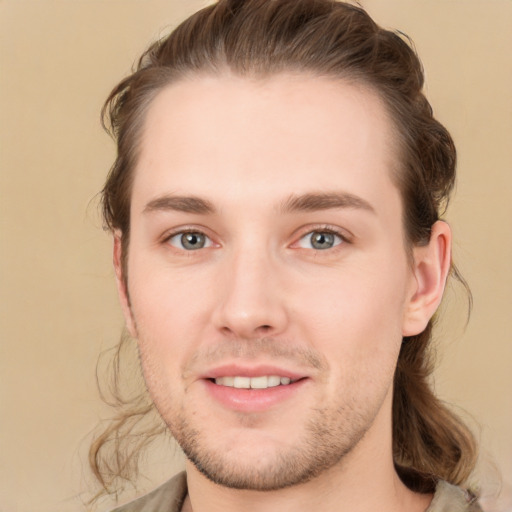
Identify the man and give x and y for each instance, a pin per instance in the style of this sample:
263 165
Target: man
275 206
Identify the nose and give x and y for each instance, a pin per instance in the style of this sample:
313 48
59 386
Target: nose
251 302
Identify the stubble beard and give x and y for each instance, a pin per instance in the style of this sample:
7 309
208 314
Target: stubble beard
326 442
328 437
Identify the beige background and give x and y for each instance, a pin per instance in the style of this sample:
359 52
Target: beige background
59 60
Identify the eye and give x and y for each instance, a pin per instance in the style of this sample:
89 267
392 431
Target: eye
320 240
190 241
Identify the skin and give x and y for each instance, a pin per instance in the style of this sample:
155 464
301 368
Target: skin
252 168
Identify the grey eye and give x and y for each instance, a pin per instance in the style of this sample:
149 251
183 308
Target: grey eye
320 240
190 241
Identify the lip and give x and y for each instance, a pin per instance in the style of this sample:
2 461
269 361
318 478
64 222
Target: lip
252 400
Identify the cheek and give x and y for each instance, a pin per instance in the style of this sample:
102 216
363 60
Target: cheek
167 299
356 319
359 298
166 323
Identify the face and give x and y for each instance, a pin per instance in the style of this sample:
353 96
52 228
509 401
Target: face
268 282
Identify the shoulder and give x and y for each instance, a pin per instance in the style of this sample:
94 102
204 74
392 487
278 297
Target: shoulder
449 498
169 497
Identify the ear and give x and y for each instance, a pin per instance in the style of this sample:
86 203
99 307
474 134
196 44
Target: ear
431 267
122 284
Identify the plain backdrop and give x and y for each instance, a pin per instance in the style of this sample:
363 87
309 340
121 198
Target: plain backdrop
59 59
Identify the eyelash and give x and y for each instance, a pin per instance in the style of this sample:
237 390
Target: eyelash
325 229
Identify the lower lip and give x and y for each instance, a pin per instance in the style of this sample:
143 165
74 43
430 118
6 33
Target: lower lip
253 400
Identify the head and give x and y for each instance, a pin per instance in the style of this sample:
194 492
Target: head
271 55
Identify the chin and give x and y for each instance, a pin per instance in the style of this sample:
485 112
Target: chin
263 465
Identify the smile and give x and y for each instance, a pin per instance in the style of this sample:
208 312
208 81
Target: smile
261 382
253 390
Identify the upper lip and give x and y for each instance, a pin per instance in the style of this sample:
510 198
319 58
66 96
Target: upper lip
241 370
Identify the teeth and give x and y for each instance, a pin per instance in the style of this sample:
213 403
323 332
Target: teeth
259 382
263 382
274 380
242 382
228 381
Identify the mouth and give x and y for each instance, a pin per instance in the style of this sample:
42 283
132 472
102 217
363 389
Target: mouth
253 389
259 382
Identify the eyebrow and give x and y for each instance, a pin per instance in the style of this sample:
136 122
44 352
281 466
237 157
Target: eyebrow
324 201
186 204
295 203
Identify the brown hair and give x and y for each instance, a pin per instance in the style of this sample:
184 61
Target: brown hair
332 39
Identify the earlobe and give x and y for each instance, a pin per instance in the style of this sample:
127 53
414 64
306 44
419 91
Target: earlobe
122 284
432 264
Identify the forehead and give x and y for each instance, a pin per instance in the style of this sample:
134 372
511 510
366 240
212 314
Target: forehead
236 138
